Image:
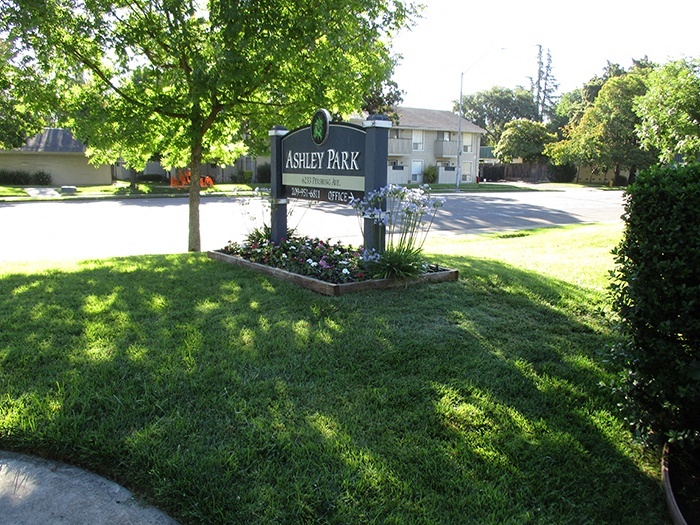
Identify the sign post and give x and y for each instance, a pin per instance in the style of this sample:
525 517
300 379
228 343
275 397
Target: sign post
376 153
329 161
278 221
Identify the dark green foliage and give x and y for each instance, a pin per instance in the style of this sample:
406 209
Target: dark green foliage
152 177
24 178
656 291
264 234
563 173
41 178
264 173
242 176
430 174
398 263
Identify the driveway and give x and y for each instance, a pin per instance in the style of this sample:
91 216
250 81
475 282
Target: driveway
96 229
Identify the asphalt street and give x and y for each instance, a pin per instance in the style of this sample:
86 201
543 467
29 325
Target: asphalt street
78 230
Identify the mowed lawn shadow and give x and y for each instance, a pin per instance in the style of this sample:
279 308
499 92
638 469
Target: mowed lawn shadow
225 396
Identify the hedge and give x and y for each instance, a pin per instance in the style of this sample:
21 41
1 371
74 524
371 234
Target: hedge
24 178
656 292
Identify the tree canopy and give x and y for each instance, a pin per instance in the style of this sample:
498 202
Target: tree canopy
198 81
26 97
494 108
605 137
525 139
670 111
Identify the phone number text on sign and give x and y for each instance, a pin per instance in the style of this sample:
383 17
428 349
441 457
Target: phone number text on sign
306 193
323 194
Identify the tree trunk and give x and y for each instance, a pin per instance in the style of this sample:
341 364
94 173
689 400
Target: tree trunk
195 241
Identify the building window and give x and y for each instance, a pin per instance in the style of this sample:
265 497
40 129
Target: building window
444 136
466 172
393 133
416 171
467 144
417 140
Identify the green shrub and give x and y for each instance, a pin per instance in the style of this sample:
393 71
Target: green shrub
242 176
24 178
41 178
264 173
151 177
430 174
264 234
14 177
398 263
656 291
563 173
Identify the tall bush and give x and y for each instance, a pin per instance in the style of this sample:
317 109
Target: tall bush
656 291
430 174
264 173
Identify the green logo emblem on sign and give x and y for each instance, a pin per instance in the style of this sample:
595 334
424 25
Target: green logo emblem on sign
320 125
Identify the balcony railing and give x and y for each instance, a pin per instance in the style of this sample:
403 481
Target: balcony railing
446 148
400 146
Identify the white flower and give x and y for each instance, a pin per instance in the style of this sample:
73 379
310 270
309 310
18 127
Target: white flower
346 271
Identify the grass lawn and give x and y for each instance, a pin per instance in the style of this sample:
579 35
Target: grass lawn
483 187
123 189
12 191
224 396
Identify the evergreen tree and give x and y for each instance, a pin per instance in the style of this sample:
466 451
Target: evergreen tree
544 87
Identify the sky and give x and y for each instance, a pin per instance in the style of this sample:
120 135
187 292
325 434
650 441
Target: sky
494 43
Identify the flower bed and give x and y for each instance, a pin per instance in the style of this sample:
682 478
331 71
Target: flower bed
332 268
322 260
433 273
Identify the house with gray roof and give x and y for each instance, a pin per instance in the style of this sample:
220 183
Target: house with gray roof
57 152
425 137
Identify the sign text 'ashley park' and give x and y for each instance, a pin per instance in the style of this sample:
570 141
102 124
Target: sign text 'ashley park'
315 160
331 167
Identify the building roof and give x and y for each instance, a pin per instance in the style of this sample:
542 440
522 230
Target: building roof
54 140
415 118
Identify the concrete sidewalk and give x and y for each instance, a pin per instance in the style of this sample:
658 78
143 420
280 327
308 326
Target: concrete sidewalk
35 491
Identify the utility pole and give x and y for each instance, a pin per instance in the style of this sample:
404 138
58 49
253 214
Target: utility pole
459 134
459 116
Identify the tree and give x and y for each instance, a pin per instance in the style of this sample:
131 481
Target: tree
567 112
544 87
669 112
525 139
572 105
494 108
193 80
605 136
25 97
383 100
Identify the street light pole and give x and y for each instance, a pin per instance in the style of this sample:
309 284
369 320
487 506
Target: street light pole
459 116
459 134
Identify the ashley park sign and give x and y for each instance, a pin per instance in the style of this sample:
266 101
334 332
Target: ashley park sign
328 161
